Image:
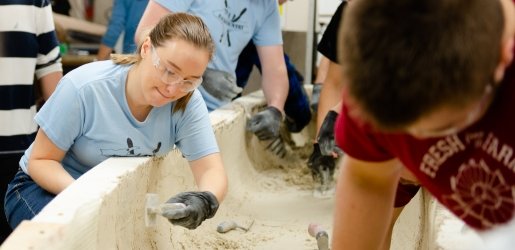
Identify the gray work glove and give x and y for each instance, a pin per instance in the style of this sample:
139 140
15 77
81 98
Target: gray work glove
326 135
318 164
266 124
277 147
220 85
199 207
315 96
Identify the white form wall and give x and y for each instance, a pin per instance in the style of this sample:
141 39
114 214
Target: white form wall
104 209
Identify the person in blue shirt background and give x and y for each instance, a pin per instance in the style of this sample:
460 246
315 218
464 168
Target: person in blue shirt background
125 17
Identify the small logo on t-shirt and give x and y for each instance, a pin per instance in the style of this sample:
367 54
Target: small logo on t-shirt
130 150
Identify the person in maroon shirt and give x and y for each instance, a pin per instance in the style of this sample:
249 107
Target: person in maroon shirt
429 87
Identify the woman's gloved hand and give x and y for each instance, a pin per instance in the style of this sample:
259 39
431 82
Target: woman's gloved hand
199 207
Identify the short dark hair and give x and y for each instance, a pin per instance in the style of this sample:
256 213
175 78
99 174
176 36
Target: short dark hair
404 59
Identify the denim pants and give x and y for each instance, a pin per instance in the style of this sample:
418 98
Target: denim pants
9 165
24 199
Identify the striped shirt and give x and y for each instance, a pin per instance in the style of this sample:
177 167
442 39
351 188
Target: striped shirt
28 48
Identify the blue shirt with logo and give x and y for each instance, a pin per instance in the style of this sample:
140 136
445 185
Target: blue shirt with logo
88 117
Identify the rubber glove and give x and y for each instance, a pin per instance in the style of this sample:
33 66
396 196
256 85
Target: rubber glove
266 124
220 85
199 207
326 136
319 163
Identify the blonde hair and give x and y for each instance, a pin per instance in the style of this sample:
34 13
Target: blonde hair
174 26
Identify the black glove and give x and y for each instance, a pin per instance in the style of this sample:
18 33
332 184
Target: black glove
319 163
266 124
315 96
326 135
199 207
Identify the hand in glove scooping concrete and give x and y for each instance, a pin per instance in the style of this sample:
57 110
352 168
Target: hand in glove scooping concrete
319 163
266 124
326 136
199 207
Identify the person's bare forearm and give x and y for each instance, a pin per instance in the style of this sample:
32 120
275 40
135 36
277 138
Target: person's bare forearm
216 182
274 81
45 167
104 52
323 68
210 175
276 88
363 208
331 93
49 82
50 175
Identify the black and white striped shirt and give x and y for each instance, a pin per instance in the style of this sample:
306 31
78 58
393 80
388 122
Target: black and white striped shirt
28 48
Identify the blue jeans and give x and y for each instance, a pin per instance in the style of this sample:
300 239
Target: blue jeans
9 167
298 112
24 199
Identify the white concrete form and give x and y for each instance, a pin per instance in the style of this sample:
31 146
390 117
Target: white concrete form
104 209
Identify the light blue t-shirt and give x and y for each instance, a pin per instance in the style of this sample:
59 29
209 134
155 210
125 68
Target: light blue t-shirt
89 118
232 24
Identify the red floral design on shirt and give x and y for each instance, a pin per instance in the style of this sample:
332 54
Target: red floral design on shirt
480 195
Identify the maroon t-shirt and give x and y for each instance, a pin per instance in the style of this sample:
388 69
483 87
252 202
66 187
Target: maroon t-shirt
472 173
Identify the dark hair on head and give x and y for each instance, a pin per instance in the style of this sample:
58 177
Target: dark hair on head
404 59
175 26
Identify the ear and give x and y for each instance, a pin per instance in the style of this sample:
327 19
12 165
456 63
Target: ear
505 59
145 47
507 40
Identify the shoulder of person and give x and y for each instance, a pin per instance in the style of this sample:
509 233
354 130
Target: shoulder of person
94 71
265 4
196 97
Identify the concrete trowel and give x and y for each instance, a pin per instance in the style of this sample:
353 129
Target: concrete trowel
153 208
